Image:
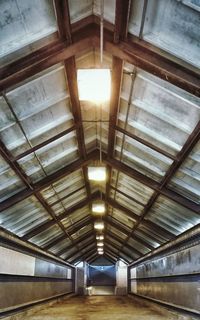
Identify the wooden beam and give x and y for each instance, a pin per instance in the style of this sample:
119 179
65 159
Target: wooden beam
109 258
90 253
113 203
127 196
128 246
92 258
182 155
138 218
117 71
71 230
44 143
88 244
63 20
138 53
109 251
39 61
106 253
145 142
21 174
70 67
48 180
120 250
122 12
68 212
142 56
152 184
117 255
7 156
77 241
113 222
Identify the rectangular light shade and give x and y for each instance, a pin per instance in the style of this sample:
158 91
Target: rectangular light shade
101 237
94 85
98 207
97 173
100 244
100 252
99 225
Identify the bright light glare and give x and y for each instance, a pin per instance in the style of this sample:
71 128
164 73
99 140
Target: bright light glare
97 173
99 225
100 244
94 84
100 252
100 237
98 207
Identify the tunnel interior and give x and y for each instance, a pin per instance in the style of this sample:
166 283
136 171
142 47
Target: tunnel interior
100 158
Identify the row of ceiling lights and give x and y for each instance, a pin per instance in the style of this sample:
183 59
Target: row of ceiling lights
98 174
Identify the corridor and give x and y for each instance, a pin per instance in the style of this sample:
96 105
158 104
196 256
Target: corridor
104 308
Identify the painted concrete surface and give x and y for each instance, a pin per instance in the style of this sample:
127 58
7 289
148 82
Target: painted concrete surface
103 308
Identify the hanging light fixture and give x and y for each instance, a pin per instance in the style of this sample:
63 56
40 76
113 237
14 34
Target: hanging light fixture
99 237
97 173
94 85
98 207
99 225
99 251
100 244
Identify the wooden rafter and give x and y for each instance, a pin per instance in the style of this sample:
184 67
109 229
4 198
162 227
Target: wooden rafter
63 20
119 255
172 195
79 240
71 230
68 212
86 256
137 53
76 165
122 229
85 246
122 12
117 72
120 241
123 47
182 155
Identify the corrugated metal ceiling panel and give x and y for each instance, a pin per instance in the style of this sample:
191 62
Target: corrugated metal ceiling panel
24 216
172 216
21 16
174 28
186 181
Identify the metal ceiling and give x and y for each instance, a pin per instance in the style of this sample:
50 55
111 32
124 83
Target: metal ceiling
150 131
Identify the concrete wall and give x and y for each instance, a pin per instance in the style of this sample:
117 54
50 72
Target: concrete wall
27 279
121 278
173 279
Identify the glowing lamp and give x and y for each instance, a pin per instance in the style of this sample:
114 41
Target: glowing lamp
94 85
100 244
101 237
99 225
97 173
98 207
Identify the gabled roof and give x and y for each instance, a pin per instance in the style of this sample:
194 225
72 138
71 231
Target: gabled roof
150 128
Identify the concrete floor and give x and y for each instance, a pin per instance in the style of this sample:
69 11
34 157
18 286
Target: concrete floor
103 308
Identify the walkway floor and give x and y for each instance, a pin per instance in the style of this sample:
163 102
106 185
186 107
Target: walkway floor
102 308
